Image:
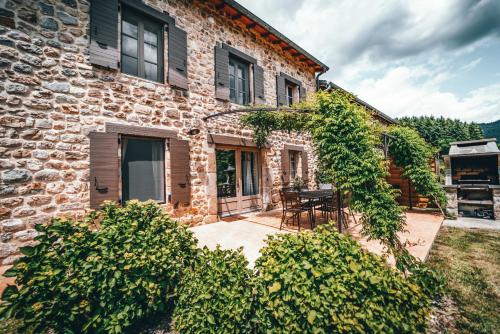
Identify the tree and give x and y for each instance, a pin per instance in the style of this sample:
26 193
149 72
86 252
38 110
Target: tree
440 132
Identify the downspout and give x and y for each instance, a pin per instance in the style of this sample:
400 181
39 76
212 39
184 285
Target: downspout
317 78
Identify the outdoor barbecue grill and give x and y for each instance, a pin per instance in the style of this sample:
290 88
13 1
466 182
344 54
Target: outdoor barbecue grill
472 179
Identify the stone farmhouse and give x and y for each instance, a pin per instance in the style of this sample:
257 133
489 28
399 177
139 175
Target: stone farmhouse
116 100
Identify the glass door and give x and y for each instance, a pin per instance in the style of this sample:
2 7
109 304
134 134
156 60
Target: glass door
238 180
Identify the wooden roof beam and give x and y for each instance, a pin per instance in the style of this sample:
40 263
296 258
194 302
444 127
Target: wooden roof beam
251 25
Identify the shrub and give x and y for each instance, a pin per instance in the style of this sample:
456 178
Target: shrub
216 295
323 282
104 274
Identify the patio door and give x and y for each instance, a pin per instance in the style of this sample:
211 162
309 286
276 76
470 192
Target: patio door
238 180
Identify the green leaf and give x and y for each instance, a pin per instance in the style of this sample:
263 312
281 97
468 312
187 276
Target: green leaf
275 287
27 250
311 316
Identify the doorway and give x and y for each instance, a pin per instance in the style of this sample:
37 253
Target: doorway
238 180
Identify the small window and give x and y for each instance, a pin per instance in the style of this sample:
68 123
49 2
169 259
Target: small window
143 169
295 164
142 46
291 92
238 81
289 95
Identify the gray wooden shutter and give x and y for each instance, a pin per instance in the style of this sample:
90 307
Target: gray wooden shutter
305 167
221 74
177 57
285 167
180 170
104 33
258 79
104 168
281 90
302 92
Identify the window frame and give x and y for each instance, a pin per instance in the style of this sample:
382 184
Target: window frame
236 62
165 142
293 87
143 22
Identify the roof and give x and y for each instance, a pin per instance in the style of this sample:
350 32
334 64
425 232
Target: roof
381 115
239 13
486 146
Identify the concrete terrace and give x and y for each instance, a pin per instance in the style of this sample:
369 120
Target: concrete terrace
250 230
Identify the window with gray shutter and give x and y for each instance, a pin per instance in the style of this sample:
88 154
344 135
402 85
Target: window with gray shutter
281 90
177 57
303 92
104 33
180 170
285 167
221 73
258 77
305 166
104 168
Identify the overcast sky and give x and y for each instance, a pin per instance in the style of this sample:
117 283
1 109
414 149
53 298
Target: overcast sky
407 57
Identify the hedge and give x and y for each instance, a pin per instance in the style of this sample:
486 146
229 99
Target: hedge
105 274
216 295
323 282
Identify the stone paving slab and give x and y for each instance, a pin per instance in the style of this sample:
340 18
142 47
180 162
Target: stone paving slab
473 223
250 230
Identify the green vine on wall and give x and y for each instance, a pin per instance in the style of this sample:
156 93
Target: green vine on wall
410 152
346 137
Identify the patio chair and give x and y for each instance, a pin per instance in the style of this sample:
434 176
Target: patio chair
293 206
329 210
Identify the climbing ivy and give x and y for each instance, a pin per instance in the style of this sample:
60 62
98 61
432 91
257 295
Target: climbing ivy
347 141
412 153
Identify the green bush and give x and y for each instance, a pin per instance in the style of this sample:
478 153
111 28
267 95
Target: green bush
104 274
323 282
216 295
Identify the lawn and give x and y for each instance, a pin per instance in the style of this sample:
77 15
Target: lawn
470 261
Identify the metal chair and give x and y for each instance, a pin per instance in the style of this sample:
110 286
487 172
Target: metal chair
329 210
292 204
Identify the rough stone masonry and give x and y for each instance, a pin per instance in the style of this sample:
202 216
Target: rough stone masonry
51 97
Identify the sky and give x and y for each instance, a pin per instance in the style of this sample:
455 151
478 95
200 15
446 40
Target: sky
404 57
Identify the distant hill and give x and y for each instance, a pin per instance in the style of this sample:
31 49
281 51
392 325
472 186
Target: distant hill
491 130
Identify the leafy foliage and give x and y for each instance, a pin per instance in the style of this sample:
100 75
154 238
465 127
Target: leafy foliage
412 153
323 282
491 130
346 139
216 295
440 132
101 275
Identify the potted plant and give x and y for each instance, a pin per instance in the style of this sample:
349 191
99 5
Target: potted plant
297 183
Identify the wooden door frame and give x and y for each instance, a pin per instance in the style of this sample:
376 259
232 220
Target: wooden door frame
239 181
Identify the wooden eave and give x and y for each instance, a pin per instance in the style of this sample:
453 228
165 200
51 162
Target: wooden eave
238 13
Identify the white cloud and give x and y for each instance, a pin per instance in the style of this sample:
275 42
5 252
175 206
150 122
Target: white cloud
397 55
402 92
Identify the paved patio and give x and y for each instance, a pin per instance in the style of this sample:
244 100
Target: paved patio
250 230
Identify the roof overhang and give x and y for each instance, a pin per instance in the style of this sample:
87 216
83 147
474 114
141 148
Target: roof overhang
237 12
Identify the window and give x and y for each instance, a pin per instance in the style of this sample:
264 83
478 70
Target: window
295 164
289 95
142 46
238 82
291 92
249 173
143 169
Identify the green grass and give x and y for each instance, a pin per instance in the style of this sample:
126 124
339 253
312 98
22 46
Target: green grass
470 261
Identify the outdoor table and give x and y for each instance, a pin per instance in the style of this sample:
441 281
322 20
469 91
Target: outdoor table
312 195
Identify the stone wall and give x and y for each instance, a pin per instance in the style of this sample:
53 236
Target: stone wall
51 97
